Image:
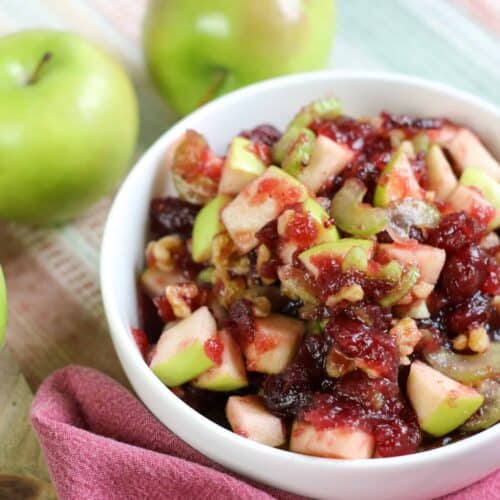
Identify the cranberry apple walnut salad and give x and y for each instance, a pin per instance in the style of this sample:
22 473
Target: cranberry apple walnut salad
333 290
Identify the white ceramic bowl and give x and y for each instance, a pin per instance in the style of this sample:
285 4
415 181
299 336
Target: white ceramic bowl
419 476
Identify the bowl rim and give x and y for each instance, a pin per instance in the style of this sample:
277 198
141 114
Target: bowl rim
120 331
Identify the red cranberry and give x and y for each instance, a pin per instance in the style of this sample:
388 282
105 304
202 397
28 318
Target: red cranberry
397 436
344 130
469 314
377 394
377 350
455 231
464 273
164 308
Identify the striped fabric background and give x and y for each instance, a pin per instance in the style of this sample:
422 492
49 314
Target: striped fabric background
55 311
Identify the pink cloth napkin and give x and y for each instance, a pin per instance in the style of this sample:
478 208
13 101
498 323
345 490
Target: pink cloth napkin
100 442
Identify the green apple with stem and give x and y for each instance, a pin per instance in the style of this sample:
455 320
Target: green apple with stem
3 307
68 125
199 50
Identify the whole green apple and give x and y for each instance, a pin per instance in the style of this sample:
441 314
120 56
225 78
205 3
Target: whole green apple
197 50
68 125
3 308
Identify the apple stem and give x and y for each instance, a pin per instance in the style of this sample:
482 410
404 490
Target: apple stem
41 63
217 82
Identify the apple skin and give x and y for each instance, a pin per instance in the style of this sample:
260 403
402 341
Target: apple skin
3 308
198 50
67 138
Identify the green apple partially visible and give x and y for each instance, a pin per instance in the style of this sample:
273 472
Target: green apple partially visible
3 308
199 50
68 125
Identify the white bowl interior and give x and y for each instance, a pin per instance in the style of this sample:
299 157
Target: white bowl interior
276 102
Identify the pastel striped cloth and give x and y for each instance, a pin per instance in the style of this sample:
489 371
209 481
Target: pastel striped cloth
55 310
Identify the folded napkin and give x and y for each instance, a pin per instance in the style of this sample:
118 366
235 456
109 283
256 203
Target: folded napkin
100 442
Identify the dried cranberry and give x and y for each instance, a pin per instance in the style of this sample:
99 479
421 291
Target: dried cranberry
149 318
268 235
469 314
172 216
464 273
392 121
284 395
265 134
455 231
242 321
287 393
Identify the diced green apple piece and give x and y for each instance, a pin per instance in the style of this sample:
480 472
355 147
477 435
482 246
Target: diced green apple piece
180 354
472 201
440 176
489 188
241 167
154 281
317 212
417 310
275 343
468 151
328 159
490 410
319 109
230 375
335 250
207 225
260 202
467 368
356 259
429 260
249 418
352 215
295 285
408 280
441 403
325 232
299 153
396 182
337 442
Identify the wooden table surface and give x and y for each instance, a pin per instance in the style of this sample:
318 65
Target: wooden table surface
55 312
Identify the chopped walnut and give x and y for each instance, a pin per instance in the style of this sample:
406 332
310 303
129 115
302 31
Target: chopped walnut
263 256
352 293
181 298
407 337
496 303
225 255
160 253
422 290
479 341
460 342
